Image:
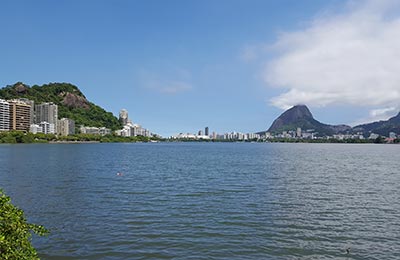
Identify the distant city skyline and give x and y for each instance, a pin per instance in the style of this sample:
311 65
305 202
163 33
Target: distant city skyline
179 66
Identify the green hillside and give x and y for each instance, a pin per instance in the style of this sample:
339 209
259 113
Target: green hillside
70 100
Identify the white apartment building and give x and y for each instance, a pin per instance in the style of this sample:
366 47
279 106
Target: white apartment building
47 128
34 129
95 130
104 131
4 115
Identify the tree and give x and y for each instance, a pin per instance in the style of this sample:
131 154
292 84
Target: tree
28 138
15 232
8 139
379 140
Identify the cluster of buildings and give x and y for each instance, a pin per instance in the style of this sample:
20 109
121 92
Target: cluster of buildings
23 115
299 133
129 128
390 139
311 134
233 136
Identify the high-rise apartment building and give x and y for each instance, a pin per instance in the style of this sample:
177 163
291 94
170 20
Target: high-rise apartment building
66 127
206 131
298 132
4 115
46 112
123 116
32 111
19 115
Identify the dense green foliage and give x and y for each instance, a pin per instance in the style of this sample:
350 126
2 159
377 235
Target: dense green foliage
83 111
21 137
94 116
103 139
14 137
16 232
379 140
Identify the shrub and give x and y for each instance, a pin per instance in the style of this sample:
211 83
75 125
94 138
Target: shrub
15 232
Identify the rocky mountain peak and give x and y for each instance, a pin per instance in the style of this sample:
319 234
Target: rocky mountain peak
297 112
299 116
291 116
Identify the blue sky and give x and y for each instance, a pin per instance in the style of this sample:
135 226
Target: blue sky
178 66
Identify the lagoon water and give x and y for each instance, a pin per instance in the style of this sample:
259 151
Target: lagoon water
208 200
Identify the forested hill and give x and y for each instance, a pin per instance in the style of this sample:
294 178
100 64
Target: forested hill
71 102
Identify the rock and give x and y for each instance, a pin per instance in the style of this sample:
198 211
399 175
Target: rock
74 101
21 89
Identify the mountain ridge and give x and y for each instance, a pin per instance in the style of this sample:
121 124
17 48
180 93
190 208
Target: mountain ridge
299 116
382 127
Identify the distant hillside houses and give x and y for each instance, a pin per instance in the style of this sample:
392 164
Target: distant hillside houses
313 135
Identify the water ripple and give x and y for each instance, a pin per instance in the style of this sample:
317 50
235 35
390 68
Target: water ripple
209 201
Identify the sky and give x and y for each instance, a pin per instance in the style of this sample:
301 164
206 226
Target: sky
232 65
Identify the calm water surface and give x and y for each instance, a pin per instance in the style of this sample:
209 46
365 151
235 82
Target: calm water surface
208 201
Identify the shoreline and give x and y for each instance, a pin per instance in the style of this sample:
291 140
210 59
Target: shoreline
73 142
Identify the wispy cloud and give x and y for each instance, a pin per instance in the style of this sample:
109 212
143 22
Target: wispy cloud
168 87
377 115
174 82
349 58
249 53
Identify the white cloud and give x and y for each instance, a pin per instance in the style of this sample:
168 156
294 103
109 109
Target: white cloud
377 115
348 58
